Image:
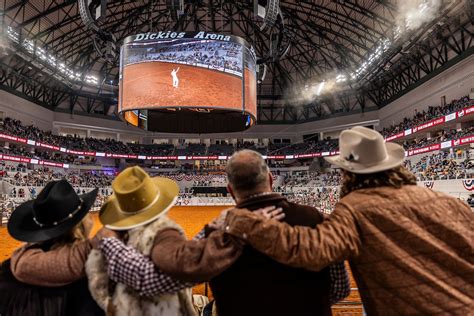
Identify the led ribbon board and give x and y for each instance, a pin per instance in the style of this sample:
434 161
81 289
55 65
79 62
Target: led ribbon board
188 82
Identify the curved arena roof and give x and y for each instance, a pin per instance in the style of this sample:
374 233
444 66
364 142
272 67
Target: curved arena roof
371 51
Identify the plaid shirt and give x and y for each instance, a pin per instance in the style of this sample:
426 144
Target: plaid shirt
128 266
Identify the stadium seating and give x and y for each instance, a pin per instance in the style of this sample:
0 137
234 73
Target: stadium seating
433 112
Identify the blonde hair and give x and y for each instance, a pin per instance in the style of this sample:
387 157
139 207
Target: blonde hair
80 232
396 178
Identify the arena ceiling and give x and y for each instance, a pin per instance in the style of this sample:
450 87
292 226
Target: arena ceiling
342 41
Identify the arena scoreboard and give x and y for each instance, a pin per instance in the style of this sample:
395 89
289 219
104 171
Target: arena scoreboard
188 82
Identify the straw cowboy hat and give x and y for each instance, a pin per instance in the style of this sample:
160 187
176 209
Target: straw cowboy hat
363 151
138 199
55 211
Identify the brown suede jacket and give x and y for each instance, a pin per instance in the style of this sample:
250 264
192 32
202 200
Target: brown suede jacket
411 250
195 261
262 280
50 268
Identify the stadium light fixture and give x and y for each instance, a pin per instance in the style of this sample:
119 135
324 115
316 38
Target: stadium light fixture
423 12
383 46
32 48
341 78
414 14
320 88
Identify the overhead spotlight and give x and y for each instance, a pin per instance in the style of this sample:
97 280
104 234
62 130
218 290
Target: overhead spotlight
47 58
320 88
341 78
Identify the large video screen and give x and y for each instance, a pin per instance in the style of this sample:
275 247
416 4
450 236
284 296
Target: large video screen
137 118
198 70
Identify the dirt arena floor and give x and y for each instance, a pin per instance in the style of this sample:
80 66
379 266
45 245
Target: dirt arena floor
192 219
150 84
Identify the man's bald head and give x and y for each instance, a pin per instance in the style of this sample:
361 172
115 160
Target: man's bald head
247 172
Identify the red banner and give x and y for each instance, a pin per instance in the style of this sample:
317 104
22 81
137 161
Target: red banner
425 149
461 141
304 156
429 124
29 160
43 145
15 158
81 153
162 157
468 110
399 135
51 164
467 140
435 122
201 157
13 138
276 157
121 156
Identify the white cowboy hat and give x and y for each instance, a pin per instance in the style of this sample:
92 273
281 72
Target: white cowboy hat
363 151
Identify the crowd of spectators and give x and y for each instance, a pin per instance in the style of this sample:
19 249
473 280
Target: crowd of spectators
438 137
16 128
307 147
218 55
220 150
310 179
191 150
43 154
259 147
317 189
432 113
152 149
6 209
324 199
20 176
442 166
214 181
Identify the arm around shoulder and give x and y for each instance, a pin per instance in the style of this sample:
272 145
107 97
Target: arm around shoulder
194 260
32 265
334 240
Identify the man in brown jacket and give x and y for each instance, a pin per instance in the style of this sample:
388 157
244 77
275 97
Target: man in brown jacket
256 284
411 250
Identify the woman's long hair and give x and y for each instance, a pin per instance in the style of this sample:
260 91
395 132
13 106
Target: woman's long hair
395 178
80 232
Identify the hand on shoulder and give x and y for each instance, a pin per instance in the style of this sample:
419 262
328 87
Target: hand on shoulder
101 234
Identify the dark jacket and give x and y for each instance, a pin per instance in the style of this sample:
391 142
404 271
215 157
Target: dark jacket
19 298
258 285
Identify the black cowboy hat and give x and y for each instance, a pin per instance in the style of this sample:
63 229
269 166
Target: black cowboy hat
55 211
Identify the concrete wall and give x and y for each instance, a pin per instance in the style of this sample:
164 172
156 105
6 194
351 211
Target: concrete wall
94 124
25 111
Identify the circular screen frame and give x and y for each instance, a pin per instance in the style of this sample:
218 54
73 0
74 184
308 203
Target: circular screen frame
156 51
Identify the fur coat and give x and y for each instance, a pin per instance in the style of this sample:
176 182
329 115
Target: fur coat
125 300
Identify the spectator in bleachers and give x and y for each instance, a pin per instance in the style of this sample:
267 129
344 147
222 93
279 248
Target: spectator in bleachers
432 113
